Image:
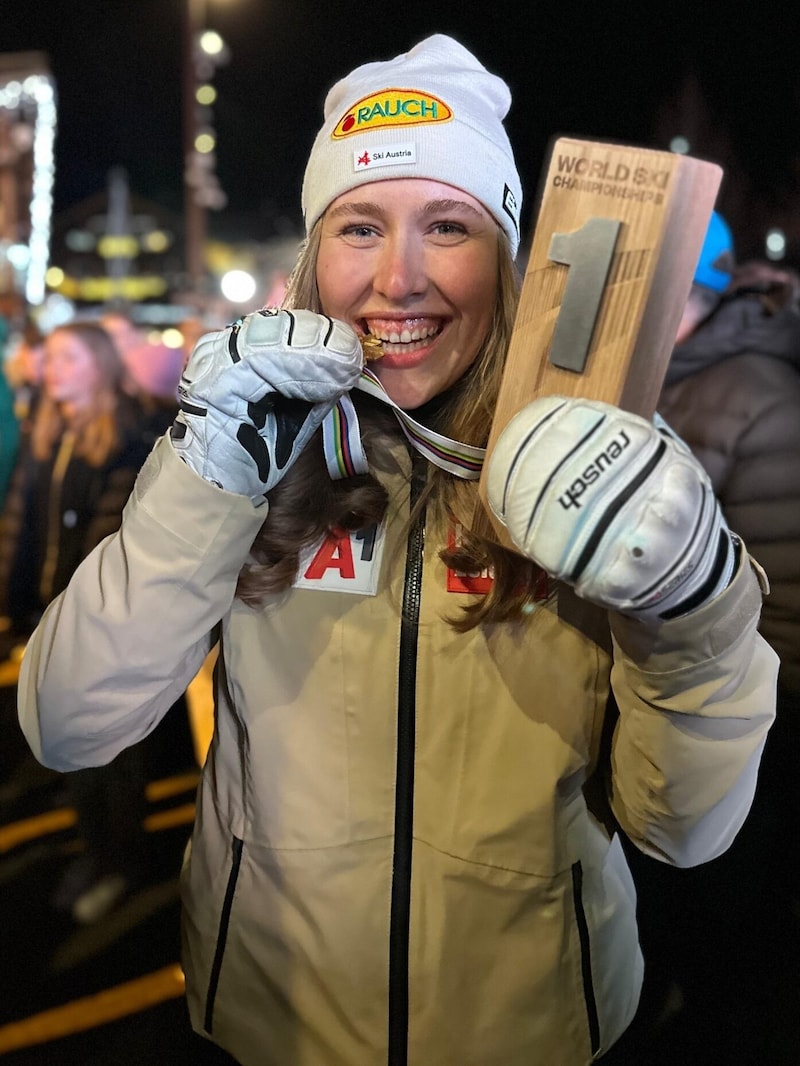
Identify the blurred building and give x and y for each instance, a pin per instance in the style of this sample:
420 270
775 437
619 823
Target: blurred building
117 249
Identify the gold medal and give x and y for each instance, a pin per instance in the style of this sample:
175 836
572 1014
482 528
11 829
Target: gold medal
371 347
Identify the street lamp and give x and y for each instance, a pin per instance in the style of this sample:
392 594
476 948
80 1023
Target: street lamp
203 53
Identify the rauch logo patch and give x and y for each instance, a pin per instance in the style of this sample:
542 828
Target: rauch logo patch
392 107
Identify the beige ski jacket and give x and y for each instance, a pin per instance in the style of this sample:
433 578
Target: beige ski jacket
392 859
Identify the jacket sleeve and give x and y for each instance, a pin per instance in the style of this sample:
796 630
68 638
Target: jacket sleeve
696 699
115 650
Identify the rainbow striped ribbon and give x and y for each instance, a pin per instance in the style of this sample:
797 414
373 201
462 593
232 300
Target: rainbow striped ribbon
344 452
341 438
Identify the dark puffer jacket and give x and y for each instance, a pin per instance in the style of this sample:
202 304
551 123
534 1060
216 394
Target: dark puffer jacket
733 394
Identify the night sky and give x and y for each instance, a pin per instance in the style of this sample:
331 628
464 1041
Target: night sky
596 70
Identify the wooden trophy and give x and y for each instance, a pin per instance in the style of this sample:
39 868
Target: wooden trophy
616 244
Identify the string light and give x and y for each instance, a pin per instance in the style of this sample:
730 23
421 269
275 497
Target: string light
36 93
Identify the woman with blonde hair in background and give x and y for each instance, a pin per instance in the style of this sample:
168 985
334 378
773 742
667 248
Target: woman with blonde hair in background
71 482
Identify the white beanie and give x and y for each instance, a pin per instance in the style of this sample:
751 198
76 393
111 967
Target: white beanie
434 112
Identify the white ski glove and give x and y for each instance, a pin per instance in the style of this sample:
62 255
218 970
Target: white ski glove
611 504
253 394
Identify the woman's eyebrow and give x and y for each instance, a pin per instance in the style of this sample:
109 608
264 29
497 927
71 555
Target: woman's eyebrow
364 207
435 207
367 208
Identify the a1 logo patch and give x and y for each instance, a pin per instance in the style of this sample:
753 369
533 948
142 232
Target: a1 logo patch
460 580
350 562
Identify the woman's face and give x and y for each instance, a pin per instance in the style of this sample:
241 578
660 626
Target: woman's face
414 262
70 371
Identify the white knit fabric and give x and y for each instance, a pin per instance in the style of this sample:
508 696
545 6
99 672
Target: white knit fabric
434 112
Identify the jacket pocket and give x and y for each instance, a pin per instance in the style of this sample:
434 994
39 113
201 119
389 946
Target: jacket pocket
222 934
586 958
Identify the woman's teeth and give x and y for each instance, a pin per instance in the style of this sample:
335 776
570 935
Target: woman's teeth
406 339
405 336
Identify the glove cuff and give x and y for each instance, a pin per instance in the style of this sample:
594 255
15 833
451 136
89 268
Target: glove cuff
724 566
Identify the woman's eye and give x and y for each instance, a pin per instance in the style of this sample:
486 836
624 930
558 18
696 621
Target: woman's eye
359 229
449 229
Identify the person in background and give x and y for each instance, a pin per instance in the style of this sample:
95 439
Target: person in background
152 374
191 329
83 454
732 392
9 424
23 367
69 488
122 329
21 389
393 858
153 371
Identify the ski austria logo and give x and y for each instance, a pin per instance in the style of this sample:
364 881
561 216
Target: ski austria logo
391 108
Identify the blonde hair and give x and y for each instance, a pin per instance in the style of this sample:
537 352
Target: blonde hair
355 503
95 428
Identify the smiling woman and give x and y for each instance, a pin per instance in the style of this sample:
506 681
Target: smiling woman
415 264
393 858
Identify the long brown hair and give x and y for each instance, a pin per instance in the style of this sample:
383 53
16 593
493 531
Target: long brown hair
307 503
96 429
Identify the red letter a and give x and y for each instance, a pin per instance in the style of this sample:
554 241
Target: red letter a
336 552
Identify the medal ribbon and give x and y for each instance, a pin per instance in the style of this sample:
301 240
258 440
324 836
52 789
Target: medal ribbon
344 452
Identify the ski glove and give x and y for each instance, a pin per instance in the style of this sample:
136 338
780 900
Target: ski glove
252 395
613 505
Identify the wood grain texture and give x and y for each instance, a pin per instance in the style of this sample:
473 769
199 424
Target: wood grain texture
663 203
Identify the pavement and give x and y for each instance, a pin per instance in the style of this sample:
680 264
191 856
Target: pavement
110 992
721 942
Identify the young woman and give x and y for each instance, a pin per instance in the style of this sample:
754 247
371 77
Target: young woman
81 458
393 858
74 475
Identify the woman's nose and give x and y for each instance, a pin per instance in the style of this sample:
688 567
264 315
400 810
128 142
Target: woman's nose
400 271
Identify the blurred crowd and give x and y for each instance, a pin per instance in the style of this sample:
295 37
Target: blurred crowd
722 940
81 406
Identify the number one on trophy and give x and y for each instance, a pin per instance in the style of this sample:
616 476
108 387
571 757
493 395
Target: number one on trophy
617 240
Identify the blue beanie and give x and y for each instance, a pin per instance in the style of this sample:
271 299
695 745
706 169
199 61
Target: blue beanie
715 267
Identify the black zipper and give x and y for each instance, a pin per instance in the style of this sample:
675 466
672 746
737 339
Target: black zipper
586 958
222 934
404 780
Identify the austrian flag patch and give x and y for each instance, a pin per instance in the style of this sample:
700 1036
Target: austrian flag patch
392 108
384 155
